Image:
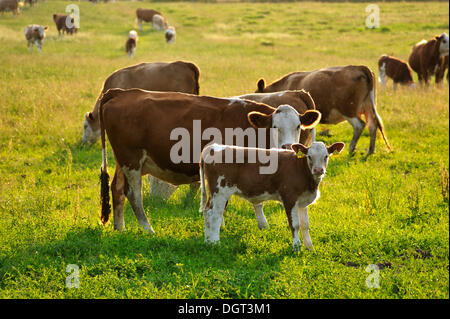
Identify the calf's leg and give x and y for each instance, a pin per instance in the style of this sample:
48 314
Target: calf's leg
262 222
304 226
214 216
294 224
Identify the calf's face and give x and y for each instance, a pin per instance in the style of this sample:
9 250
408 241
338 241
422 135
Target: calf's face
317 156
287 123
91 129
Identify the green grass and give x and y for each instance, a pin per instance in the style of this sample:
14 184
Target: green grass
389 209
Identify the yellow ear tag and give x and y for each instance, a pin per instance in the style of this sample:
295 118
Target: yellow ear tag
300 155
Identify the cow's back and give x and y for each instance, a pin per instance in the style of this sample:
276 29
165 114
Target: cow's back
415 55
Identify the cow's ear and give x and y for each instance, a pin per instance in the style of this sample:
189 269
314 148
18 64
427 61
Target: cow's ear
335 148
261 86
310 119
260 120
299 148
89 116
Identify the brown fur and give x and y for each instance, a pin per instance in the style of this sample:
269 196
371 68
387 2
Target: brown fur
61 26
129 45
396 69
176 76
425 59
338 92
145 15
441 72
12 5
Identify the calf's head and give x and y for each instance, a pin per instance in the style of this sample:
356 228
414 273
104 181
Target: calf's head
91 129
287 123
317 156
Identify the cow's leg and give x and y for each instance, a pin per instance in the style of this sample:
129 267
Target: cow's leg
372 126
118 186
395 86
358 127
262 222
159 188
134 195
140 24
38 45
294 224
214 216
30 46
304 226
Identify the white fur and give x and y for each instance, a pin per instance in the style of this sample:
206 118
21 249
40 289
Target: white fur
286 119
444 45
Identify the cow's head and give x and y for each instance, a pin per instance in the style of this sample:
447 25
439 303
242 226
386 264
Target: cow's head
287 122
40 31
317 156
443 44
91 129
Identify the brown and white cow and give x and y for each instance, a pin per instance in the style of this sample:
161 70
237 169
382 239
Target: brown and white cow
65 23
170 34
130 45
144 129
295 183
159 22
145 15
340 93
9 5
176 76
35 34
300 100
427 57
396 69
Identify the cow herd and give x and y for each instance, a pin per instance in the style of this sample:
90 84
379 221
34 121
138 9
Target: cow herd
261 146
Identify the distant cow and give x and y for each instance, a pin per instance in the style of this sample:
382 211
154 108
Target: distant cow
295 183
30 2
145 15
65 23
176 76
396 69
35 34
340 93
170 34
144 129
130 45
428 56
9 5
159 22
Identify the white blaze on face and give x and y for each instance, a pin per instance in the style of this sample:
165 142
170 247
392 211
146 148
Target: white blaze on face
317 158
287 122
444 47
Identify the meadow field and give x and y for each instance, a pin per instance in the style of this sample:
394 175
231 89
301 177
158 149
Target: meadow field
390 209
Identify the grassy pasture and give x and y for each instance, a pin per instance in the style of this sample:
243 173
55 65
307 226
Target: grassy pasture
390 209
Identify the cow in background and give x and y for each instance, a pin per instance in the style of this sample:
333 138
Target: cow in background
35 34
145 15
428 56
396 69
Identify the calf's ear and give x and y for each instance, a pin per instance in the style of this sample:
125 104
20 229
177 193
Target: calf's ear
297 147
336 147
310 119
261 86
260 120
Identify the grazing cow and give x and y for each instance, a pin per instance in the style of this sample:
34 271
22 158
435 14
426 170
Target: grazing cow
12 5
340 93
159 22
176 76
145 15
295 183
300 100
199 120
428 56
35 34
31 2
64 23
170 34
130 45
440 74
396 69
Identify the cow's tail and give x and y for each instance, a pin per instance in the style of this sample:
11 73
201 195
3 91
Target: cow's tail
104 177
372 90
204 195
